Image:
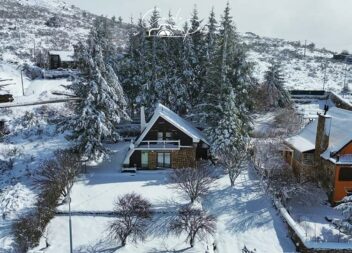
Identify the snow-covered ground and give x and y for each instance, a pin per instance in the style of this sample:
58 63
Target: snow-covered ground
32 140
243 212
310 212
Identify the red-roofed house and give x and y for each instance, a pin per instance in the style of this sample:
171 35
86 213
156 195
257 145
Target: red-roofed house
323 151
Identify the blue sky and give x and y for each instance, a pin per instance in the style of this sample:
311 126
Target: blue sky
328 23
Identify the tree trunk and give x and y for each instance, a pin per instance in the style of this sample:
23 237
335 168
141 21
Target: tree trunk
191 241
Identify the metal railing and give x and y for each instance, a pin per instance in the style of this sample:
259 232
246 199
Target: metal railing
163 144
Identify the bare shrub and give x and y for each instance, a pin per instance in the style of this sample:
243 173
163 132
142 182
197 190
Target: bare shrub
60 173
26 231
275 172
194 182
133 213
195 222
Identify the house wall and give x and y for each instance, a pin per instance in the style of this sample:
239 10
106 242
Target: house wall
135 159
152 160
326 176
340 186
347 149
183 158
162 125
302 163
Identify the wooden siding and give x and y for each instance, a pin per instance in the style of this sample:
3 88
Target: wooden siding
163 126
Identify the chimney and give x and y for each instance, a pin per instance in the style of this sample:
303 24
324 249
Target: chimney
143 123
322 135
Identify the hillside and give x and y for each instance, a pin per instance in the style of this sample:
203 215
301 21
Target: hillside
301 72
26 25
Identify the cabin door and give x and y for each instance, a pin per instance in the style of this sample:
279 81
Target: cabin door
164 160
145 160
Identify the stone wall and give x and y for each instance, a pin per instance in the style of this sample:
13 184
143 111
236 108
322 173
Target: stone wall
183 158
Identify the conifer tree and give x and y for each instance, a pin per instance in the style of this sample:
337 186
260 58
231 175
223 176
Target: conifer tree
103 105
227 102
274 82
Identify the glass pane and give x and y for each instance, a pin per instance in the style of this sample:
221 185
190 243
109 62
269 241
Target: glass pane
160 135
168 135
160 159
167 160
144 159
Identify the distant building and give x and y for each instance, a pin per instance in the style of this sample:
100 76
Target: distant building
343 57
166 141
322 151
61 59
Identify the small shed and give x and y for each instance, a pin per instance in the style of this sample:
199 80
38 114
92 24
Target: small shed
61 59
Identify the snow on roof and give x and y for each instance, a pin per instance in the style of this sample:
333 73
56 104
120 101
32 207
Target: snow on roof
305 140
64 55
340 133
177 121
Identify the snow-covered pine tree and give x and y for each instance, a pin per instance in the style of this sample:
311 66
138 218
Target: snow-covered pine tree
230 137
155 18
211 35
103 104
345 206
227 100
274 82
229 70
133 68
171 20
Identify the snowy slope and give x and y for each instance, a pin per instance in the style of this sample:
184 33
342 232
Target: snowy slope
301 72
23 28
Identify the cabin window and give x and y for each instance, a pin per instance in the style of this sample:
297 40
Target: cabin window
297 155
308 158
345 174
164 160
145 163
160 136
168 136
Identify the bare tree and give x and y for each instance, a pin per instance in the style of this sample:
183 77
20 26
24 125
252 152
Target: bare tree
195 222
276 174
60 173
133 213
233 160
194 182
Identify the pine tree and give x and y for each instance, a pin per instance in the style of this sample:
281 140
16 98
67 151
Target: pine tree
170 19
230 137
211 35
154 19
274 85
227 101
103 105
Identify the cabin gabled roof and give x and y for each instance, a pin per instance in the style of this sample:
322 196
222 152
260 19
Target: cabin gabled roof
183 125
340 133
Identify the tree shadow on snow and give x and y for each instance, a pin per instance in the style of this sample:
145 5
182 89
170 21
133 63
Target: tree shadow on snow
100 247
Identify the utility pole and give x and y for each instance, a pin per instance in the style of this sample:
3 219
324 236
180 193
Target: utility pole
22 82
305 48
69 221
34 49
325 76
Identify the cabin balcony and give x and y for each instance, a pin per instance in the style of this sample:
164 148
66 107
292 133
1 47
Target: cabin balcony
159 145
